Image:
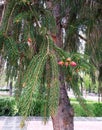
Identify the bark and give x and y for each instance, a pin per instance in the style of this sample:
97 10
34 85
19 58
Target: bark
100 83
10 88
63 120
100 92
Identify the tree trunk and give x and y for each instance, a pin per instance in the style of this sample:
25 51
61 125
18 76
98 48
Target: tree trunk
10 88
63 120
100 83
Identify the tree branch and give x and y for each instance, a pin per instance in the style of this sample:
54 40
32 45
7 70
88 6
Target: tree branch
81 37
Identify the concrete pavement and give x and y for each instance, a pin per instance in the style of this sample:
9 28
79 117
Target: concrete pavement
36 123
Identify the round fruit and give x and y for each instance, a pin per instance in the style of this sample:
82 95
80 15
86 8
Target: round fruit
73 64
68 59
61 63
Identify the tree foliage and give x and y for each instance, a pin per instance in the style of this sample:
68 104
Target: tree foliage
28 46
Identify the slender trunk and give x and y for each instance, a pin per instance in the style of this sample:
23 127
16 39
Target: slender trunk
100 83
63 120
10 88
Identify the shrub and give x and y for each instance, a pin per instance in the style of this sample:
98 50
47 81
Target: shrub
8 106
98 109
79 110
94 108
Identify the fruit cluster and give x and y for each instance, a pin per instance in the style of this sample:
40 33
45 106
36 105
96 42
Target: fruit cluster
67 62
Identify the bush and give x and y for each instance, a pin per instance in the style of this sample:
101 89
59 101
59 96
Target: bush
94 108
8 106
97 109
79 110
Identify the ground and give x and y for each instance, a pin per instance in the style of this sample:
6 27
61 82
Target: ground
36 123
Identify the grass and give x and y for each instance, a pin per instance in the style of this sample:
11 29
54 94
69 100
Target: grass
88 101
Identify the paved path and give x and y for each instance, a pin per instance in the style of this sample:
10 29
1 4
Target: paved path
36 123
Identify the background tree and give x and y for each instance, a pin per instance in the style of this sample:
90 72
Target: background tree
33 45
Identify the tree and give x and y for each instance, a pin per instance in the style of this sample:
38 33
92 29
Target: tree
40 57
94 45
